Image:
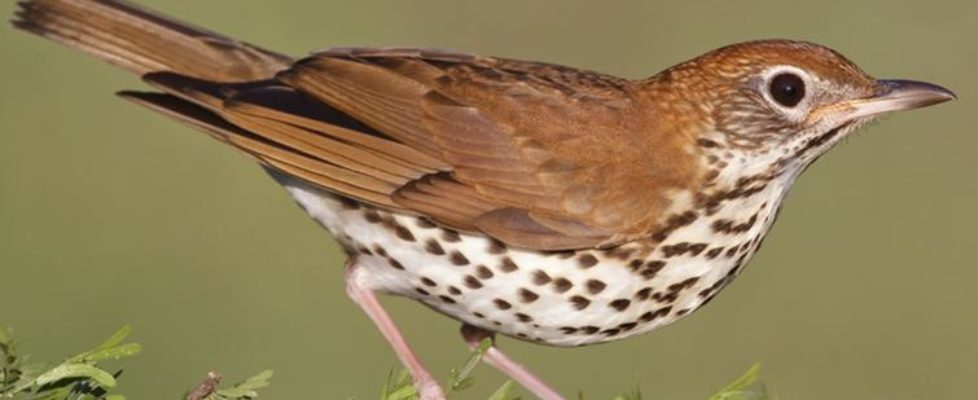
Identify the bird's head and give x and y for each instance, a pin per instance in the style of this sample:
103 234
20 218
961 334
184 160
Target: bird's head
780 103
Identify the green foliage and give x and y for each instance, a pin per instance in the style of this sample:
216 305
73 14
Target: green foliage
244 390
747 387
634 394
460 377
399 386
504 392
77 378
81 377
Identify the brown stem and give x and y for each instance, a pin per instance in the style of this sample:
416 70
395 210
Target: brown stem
206 387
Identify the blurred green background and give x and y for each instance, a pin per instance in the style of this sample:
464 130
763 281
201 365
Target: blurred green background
110 214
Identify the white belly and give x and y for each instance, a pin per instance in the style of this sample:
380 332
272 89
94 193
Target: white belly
563 299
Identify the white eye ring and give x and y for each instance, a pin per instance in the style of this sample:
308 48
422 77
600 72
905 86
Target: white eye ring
797 111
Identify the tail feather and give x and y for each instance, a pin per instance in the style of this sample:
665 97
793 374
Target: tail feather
201 71
142 41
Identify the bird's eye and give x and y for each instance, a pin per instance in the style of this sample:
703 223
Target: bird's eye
787 89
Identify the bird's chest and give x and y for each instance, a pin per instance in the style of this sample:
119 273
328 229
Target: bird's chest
558 298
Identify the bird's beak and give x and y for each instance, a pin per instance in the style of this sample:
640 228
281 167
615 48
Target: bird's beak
898 95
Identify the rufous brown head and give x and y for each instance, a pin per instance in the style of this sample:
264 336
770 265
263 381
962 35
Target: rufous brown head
779 101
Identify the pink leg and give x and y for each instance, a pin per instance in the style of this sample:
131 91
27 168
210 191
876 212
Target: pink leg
427 386
496 358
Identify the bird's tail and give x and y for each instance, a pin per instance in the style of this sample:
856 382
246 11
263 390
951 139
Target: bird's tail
143 41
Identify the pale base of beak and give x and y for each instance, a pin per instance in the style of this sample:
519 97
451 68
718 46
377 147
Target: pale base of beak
896 95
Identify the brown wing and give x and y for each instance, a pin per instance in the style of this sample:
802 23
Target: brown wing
536 155
541 156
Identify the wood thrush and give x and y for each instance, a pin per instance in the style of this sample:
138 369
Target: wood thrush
547 203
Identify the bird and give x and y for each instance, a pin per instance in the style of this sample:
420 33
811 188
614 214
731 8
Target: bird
551 204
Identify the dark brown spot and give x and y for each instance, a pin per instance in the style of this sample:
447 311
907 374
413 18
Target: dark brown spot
746 187
620 304
587 261
394 263
380 251
447 299
730 227
714 252
458 258
421 291
611 332
651 268
568 330
731 252
595 286
483 272
471 282
432 246
590 329
528 296
479 314
523 317
450 236
541 278
349 203
682 312
364 250
665 297
580 302
643 294
707 143
502 304
496 247
679 249
820 140
562 285
674 222
675 249
371 216
454 291
627 326
403 233
428 282
424 223
621 252
507 265
652 315
680 286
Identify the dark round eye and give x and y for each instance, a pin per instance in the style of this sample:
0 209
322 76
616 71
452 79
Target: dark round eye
787 89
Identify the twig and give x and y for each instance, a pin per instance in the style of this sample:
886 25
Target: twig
206 387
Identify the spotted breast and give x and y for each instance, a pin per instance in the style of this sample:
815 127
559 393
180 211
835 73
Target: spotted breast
560 298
